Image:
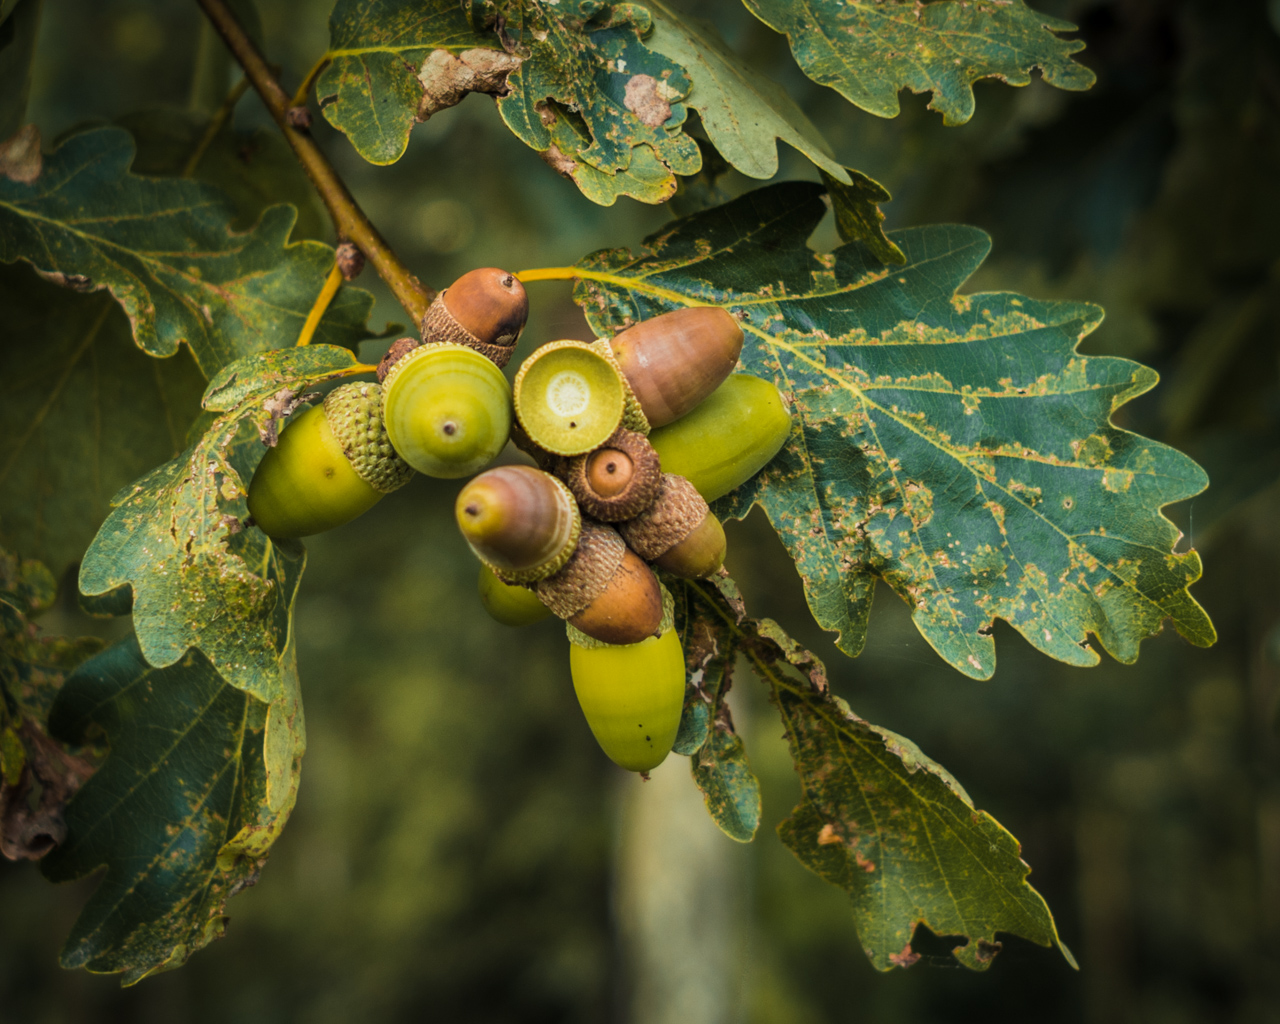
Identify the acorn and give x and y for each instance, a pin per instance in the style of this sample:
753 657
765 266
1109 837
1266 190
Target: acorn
521 522
331 463
677 532
727 439
484 309
618 480
509 603
675 360
605 589
447 409
632 695
570 397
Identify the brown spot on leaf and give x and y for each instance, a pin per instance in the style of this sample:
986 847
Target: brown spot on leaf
644 99
446 79
904 959
20 158
559 162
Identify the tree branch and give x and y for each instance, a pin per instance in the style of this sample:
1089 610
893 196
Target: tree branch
349 220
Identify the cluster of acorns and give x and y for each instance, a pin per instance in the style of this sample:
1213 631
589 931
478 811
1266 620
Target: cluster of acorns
631 437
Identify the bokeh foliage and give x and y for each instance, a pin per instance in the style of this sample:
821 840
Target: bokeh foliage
1145 796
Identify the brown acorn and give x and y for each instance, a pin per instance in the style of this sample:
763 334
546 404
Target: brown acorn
677 532
605 590
484 309
521 522
618 480
675 360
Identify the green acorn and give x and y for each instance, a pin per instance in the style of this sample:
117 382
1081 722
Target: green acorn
447 409
332 463
509 603
632 695
677 532
727 439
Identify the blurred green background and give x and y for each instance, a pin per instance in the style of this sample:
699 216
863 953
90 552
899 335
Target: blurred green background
461 850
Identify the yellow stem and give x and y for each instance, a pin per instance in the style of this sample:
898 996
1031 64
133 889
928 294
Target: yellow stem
300 97
634 284
331 285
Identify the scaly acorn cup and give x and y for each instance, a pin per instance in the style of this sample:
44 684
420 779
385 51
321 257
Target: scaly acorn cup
618 480
521 522
570 397
605 589
727 439
331 463
677 532
631 695
673 361
447 409
484 309
509 603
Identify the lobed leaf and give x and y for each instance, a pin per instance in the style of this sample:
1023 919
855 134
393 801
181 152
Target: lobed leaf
199 578
163 249
956 446
882 821
868 50
372 89
183 811
84 412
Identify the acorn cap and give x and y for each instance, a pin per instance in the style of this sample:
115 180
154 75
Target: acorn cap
618 480
569 397
678 511
675 360
484 309
546 460
354 412
521 522
400 347
576 636
587 573
633 417
447 409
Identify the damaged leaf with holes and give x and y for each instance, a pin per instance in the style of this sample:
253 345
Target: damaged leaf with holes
958 447
177 537
878 818
190 766
869 50
164 249
717 755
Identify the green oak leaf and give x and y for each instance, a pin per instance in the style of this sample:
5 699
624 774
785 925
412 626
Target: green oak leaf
192 769
255 169
858 214
646 179
590 59
956 446
199 578
718 757
868 50
372 88
84 411
882 821
163 249
742 112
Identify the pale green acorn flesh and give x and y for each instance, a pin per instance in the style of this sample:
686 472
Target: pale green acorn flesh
510 605
305 484
728 438
632 696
